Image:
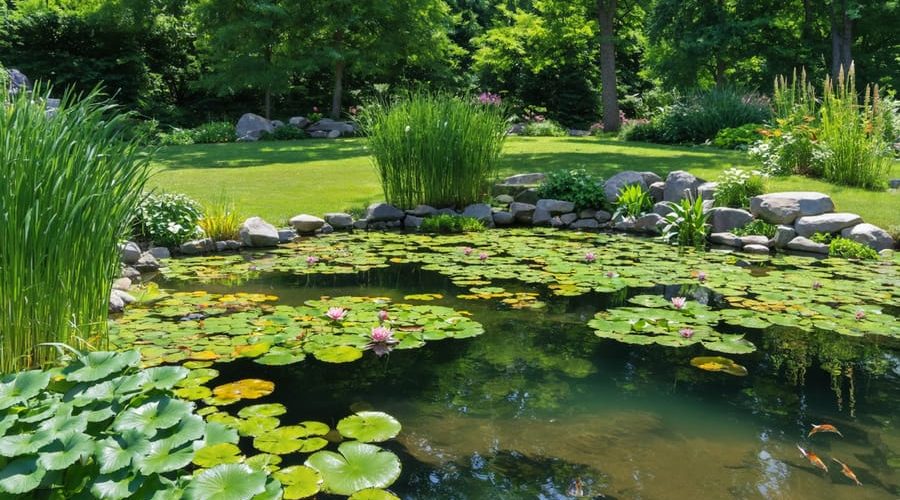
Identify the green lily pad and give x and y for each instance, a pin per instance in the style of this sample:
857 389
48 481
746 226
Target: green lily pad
338 354
226 482
373 494
356 466
263 410
719 364
299 481
22 475
21 387
223 453
98 365
369 426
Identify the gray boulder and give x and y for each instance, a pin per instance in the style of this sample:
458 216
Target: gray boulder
130 253
325 229
540 217
679 185
528 196
869 234
623 223
116 304
332 134
724 219
422 211
801 244
122 284
651 178
568 218
755 240
251 127
503 218
753 248
329 125
220 246
299 121
233 245
784 208
825 223
256 232
447 211
362 224
556 222
318 134
648 223
380 212
585 224
555 207
615 184
17 81
480 211
783 236
412 222
525 179
662 208
305 223
894 183
587 213
277 123
147 263
522 212
504 199
287 235
657 191
131 273
195 247
339 220
160 252
602 216
726 239
707 190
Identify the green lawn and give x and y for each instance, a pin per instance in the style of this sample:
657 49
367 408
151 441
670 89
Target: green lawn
277 180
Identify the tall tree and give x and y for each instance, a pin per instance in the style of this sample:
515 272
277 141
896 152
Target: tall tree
606 16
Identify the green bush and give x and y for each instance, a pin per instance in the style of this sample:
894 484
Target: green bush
736 186
633 201
176 137
738 137
434 149
823 238
445 224
643 132
577 186
70 186
849 249
284 133
756 227
686 225
213 132
168 219
545 128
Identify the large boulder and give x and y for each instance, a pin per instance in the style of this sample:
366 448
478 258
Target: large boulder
724 219
480 211
130 253
658 191
825 223
869 234
662 208
379 212
251 127
651 178
195 247
648 223
339 220
784 208
615 184
147 263
755 239
17 81
305 223
727 239
801 244
585 224
299 121
555 207
679 185
256 232
328 125
541 217
783 236
412 222
522 212
503 218
707 190
602 216
529 195
422 211
568 218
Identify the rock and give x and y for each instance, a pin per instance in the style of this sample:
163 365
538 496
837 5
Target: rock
361 224
195 247
131 273
122 284
568 218
339 220
160 252
802 244
587 213
503 218
603 216
333 134
286 235
555 207
221 246
651 178
585 224
318 134
130 252
615 184
277 123
17 81
447 211
378 212
329 125
299 121
657 191
422 211
783 236
480 211
707 190
648 223
556 222
530 196
707 205
784 208
623 223
662 208
574 132
256 232
894 183
826 223
869 234
755 240
504 199
522 212
724 219
325 229
525 179
305 223
760 249
232 245
540 217
516 129
394 223
679 185
251 127
726 239
147 263
116 304
412 222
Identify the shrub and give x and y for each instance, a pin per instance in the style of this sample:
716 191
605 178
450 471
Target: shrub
577 186
284 133
686 224
824 238
168 219
643 132
633 201
756 227
220 221
434 149
446 223
213 132
738 137
544 128
849 249
176 137
736 186
70 185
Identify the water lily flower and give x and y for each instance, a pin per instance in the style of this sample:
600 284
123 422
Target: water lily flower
860 315
611 274
678 302
686 332
467 251
482 256
382 315
701 276
382 335
336 313
816 285
590 257
312 260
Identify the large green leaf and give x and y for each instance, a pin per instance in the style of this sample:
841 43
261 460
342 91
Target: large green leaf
299 481
21 475
373 494
65 451
99 365
226 482
222 453
162 457
22 386
164 377
369 426
356 466
117 452
116 486
160 413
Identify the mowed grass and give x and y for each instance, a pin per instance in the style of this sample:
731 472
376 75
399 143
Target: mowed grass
277 180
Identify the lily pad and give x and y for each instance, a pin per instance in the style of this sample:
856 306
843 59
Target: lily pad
226 482
356 466
223 453
299 481
369 426
250 388
719 364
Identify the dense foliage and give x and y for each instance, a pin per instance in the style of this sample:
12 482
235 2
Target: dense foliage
736 186
576 185
756 227
686 225
633 201
168 219
448 224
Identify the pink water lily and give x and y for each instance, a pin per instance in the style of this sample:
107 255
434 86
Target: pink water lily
467 251
686 332
816 285
611 274
382 335
701 276
590 257
312 260
678 302
483 256
336 313
860 315
382 315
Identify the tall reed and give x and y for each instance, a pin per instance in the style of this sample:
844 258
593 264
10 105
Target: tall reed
70 183
856 152
794 100
434 149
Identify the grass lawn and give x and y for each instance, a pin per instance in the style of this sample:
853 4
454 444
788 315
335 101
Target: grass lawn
277 180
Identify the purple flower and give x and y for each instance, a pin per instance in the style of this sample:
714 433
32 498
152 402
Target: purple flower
611 274
590 257
382 335
336 313
382 315
860 315
489 99
816 285
312 260
686 332
483 256
467 251
678 302
701 276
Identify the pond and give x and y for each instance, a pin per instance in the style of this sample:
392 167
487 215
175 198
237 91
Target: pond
554 365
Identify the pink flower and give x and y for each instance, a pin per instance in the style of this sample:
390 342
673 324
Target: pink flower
312 260
336 313
382 315
590 257
467 251
686 332
860 315
489 99
816 285
382 335
315 109
701 276
611 274
482 256
678 302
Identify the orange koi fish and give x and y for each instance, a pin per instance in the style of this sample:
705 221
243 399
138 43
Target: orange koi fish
847 471
813 459
824 428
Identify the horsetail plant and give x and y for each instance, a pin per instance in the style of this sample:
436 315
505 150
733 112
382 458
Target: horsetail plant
71 183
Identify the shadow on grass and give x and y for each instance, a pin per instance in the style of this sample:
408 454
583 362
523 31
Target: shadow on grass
607 164
250 154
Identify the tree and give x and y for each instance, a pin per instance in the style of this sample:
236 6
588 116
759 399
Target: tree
606 15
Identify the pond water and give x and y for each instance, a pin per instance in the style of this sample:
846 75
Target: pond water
540 406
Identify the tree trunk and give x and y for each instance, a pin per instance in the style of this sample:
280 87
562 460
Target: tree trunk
720 72
268 103
338 92
606 14
841 38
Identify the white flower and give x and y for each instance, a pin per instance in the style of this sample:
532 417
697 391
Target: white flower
174 228
408 128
